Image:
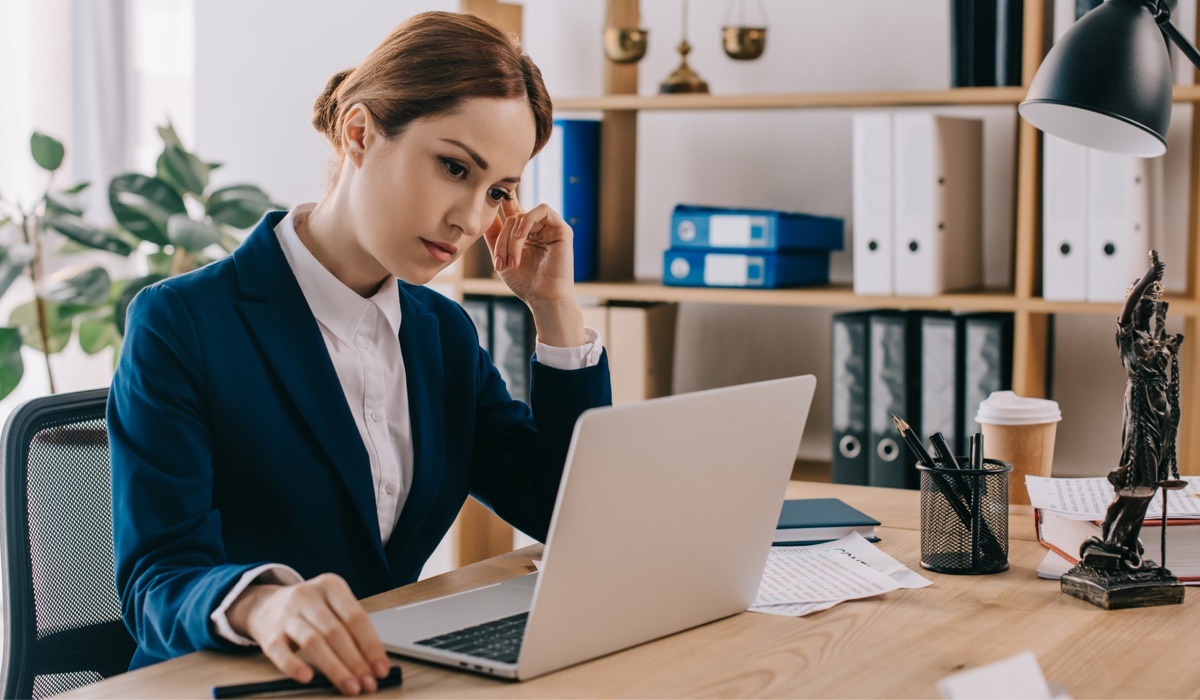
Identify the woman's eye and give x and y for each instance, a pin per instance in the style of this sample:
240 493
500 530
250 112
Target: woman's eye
455 168
498 195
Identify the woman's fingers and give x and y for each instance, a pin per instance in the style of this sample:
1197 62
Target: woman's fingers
500 252
280 652
315 649
351 614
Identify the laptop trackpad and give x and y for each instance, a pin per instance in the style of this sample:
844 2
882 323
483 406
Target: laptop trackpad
418 621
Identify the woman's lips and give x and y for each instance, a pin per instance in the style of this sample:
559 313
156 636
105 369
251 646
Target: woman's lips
442 252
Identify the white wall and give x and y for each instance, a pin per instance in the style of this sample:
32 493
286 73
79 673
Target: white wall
258 75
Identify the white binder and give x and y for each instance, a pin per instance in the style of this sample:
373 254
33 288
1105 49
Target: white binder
1119 222
937 177
872 223
1064 219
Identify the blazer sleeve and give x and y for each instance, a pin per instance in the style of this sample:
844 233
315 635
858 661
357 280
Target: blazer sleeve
171 565
520 452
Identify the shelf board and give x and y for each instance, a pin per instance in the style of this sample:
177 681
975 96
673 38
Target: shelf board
894 98
836 296
982 96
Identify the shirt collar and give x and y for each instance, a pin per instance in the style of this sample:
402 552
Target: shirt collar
335 306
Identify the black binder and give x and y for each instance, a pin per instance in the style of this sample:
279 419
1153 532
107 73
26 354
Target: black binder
850 395
942 378
1010 18
987 361
513 336
895 381
479 308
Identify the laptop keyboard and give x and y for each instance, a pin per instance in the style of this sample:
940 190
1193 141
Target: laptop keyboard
498 640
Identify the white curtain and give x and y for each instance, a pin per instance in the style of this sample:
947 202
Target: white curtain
100 76
65 73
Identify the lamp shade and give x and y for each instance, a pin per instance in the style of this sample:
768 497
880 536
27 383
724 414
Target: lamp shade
1106 83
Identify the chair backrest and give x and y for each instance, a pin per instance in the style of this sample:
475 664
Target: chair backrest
62 615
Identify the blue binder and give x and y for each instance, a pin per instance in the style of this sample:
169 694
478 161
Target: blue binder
753 229
565 175
685 267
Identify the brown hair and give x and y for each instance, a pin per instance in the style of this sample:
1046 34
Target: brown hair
427 66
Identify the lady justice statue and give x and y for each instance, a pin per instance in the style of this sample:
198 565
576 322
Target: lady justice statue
1112 572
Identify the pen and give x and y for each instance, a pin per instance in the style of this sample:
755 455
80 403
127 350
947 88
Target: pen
393 678
977 451
944 452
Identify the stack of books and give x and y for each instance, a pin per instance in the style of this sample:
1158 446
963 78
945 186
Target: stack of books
759 248
1069 511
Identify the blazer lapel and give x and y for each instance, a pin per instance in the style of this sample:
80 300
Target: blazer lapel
279 319
420 343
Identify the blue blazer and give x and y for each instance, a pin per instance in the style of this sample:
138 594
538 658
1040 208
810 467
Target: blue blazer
233 446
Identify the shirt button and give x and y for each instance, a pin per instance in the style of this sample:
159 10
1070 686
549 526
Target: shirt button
364 343
376 415
390 487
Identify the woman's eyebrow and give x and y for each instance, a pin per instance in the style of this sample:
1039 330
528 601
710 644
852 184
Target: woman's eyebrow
483 164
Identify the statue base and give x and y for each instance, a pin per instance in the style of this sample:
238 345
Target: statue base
1114 589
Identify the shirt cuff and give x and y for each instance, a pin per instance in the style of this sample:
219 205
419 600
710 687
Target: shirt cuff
579 357
267 573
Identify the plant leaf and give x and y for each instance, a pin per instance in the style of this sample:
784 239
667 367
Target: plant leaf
47 151
13 261
61 203
160 263
11 366
78 188
240 206
168 135
183 170
132 287
58 328
82 232
143 204
192 236
98 333
87 287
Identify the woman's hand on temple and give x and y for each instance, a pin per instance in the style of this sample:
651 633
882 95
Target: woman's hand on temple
532 252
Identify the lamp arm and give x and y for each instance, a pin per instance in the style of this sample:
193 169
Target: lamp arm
1162 15
1181 41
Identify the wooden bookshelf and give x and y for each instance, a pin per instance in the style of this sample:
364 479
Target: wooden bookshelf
981 96
620 105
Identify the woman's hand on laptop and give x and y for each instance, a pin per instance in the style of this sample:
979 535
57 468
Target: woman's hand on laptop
314 624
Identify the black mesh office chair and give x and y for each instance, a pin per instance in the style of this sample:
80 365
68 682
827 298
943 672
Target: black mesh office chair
62 616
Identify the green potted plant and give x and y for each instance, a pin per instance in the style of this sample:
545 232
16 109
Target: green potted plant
174 217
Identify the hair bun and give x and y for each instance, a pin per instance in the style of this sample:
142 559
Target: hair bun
325 108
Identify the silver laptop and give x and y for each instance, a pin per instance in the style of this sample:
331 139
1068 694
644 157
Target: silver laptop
663 522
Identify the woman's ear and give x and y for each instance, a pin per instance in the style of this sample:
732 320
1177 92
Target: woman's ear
355 127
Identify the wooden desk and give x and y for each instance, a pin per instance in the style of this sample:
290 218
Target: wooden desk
896 645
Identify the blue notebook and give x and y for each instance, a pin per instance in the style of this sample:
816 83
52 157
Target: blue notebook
816 520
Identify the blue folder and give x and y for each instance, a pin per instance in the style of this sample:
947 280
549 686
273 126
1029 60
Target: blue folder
684 267
566 177
753 229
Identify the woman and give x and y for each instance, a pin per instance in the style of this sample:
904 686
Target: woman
292 428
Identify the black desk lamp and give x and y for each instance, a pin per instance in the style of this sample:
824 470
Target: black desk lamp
1107 82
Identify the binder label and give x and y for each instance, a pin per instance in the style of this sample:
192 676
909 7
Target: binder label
736 231
733 270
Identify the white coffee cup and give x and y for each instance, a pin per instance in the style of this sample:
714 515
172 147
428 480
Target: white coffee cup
1019 430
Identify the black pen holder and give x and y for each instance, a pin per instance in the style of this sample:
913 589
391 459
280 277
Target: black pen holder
964 518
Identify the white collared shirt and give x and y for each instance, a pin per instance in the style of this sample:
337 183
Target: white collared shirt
363 341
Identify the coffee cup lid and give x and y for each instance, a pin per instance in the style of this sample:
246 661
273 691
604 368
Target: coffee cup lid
1006 408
